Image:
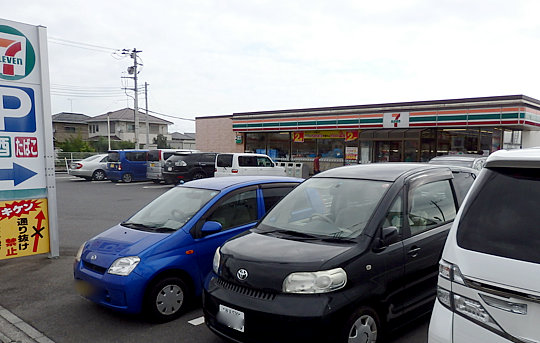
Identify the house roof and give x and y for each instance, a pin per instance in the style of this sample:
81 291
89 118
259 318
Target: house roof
68 117
126 115
183 136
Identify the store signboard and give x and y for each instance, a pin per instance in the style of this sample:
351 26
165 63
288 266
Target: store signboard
300 136
28 214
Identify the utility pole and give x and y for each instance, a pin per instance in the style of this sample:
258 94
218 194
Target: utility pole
132 70
136 106
147 125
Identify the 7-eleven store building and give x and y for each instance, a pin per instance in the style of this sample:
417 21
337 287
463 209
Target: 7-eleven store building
409 131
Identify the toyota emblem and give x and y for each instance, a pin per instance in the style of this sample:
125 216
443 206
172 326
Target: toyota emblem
242 274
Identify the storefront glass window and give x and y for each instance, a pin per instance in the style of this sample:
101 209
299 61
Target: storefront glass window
366 149
457 141
307 148
256 142
278 146
410 153
490 140
331 148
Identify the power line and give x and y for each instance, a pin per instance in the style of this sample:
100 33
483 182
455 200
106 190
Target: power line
167 115
81 45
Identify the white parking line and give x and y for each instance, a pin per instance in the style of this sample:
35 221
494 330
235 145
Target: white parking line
159 186
197 321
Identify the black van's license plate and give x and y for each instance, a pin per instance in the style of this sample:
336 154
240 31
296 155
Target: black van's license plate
231 317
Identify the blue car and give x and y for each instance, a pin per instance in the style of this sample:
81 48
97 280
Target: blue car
156 261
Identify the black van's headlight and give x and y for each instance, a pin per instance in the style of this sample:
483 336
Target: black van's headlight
315 282
216 260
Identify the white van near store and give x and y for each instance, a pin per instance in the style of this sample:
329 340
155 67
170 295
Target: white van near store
247 164
489 275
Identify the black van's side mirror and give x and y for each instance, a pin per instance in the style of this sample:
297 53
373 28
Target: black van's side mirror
389 235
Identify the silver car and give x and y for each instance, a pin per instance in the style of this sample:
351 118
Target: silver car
466 160
91 168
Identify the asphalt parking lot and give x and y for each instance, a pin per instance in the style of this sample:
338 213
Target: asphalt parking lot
40 292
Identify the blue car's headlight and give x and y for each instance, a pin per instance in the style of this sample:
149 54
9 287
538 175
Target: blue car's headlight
124 265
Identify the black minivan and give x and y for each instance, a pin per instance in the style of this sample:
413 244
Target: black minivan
341 256
189 166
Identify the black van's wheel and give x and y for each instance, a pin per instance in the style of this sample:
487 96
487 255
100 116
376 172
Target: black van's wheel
127 178
98 175
166 300
362 327
198 175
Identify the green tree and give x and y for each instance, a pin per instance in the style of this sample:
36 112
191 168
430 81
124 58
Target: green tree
75 143
161 142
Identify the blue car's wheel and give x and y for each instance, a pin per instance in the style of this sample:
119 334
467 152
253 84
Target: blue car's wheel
166 299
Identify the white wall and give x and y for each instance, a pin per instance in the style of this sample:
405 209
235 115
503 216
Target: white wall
530 139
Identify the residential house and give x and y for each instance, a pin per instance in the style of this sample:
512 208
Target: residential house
121 124
68 125
182 140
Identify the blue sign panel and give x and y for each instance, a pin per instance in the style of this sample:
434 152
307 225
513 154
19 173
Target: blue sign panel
17 109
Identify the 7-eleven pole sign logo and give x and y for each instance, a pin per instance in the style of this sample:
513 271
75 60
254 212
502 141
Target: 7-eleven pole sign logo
17 56
12 55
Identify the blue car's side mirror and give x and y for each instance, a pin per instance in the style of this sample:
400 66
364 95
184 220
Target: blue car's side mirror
211 227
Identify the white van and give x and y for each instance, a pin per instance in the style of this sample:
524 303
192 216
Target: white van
489 275
156 160
247 164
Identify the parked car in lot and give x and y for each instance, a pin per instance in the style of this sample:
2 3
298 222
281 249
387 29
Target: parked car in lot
489 274
127 165
339 258
90 168
156 161
156 260
246 164
467 160
186 167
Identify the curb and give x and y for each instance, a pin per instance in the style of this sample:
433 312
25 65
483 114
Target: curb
14 330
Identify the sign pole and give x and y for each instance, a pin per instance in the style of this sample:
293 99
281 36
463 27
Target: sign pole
49 145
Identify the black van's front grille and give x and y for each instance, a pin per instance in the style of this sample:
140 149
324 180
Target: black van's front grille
250 292
94 268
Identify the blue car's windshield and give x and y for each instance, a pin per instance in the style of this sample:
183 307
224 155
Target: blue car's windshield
171 210
326 208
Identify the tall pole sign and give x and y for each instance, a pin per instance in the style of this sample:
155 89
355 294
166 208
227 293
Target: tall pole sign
28 213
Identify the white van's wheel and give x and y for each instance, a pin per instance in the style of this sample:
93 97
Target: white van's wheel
362 327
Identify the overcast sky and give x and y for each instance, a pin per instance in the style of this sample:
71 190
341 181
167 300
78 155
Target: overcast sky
217 57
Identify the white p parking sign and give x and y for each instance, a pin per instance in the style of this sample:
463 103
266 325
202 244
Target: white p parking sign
17 109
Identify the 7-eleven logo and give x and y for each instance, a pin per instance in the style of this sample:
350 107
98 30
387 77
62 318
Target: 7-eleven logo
12 55
396 119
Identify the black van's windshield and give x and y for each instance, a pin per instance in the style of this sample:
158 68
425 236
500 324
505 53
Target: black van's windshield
326 208
502 216
171 210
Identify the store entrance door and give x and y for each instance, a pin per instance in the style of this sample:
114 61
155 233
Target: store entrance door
388 151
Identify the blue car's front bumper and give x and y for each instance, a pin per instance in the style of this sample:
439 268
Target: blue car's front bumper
122 293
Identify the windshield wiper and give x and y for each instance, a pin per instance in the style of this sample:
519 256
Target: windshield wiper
138 226
293 233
